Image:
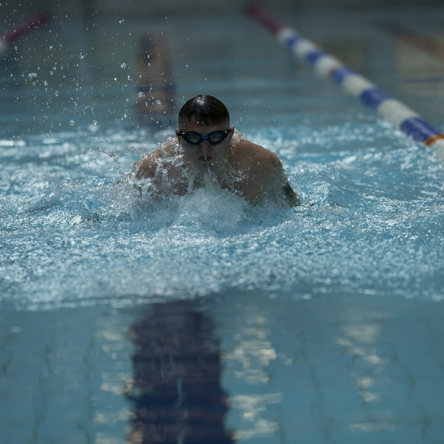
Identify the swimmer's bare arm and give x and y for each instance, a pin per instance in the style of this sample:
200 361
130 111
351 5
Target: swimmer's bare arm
146 167
279 184
143 169
290 196
269 180
164 168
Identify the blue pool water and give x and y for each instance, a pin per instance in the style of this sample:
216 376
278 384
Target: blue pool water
118 316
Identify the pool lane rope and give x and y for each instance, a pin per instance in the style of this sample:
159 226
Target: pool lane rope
10 37
402 117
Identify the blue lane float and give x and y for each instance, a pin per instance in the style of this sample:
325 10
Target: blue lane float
404 118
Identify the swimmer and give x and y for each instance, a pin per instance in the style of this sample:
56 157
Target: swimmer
207 150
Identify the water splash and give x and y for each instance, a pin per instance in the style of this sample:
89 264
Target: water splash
370 222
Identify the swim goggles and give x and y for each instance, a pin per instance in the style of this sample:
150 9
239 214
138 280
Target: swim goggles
214 138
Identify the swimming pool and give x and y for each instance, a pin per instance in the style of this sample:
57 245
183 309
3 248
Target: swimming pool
203 318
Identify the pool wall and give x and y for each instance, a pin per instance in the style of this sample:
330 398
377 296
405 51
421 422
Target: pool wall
141 8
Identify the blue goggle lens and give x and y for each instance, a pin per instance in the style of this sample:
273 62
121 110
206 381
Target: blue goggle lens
195 138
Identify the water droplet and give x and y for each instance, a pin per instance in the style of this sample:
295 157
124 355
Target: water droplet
93 127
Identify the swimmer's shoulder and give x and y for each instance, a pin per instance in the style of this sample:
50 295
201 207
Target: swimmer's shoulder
256 156
267 168
147 166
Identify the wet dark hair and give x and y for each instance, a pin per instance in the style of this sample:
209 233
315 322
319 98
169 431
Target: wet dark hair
207 110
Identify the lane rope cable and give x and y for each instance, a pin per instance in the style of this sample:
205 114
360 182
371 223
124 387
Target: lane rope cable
10 37
402 117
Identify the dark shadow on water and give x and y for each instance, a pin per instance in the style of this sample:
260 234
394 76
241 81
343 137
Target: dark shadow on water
176 394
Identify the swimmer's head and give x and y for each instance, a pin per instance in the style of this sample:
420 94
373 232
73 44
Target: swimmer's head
205 110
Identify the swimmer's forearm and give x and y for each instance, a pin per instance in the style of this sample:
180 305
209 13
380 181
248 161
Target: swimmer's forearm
290 195
143 169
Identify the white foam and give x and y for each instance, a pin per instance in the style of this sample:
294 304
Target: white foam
74 238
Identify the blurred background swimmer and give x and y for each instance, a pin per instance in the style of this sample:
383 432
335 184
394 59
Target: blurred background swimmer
155 104
207 151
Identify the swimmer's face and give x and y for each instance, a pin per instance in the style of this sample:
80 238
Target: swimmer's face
207 153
